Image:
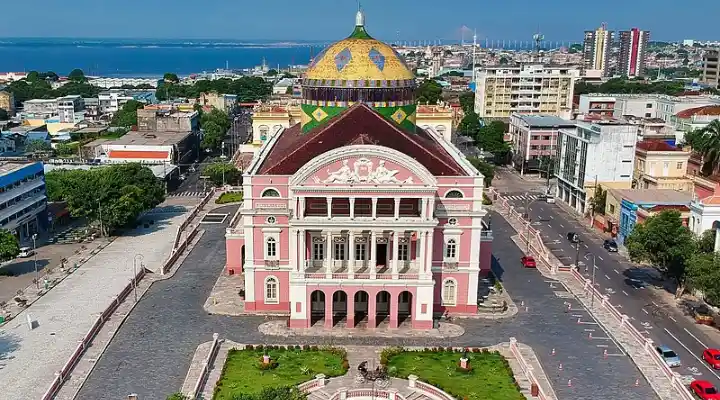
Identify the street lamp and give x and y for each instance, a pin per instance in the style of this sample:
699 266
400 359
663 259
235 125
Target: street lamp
134 280
592 295
528 201
37 274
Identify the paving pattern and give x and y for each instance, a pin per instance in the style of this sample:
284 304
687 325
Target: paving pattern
152 351
187 194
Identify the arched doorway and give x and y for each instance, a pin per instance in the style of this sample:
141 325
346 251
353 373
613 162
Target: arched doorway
361 300
242 258
405 303
382 304
339 307
317 306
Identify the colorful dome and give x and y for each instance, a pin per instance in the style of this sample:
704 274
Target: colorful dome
358 69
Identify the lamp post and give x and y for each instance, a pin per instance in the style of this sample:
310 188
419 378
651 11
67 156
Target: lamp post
592 295
528 201
134 280
37 274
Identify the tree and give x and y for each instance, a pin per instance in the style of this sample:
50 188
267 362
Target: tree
598 201
37 145
77 75
4 116
9 246
223 173
631 86
429 92
127 115
171 78
504 60
470 125
706 242
271 72
488 170
215 126
706 141
703 274
467 102
177 396
491 138
66 149
663 241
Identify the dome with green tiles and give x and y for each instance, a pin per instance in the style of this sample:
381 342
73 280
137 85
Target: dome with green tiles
358 69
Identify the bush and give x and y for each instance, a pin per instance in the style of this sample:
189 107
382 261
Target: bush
229 197
486 200
177 396
267 366
388 353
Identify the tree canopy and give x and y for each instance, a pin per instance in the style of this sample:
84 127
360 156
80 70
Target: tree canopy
429 92
4 116
223 173
9 247
118 193
487 169
77 75
467 102
706 141
248 89
37 145
171 78
630 86
38 86
127 115
215 125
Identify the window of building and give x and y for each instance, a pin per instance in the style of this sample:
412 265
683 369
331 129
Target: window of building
451 249
648 115
271 220
403 254
679 165
449 292
271 248
454 194
648 105
611 208
339 251
533 147
318 251
360 251
271 290
270 193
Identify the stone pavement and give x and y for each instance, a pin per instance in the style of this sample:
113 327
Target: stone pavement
65 314
280 328
645 363
224 298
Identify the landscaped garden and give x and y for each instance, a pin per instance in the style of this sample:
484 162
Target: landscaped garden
247 372
229 197
488 376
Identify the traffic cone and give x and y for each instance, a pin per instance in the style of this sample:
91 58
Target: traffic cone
560 367
578 321
522 303
553 352
605 353
569 382
637 382
589 335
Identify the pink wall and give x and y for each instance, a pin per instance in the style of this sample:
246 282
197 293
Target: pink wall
283 291
233 249
461 305
324 172
485 257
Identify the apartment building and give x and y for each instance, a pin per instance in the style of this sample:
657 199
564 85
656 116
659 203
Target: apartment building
596 104
167 119
659 165
7 102
40 108
109 83
594 152
596 51
633 44
22 198
657 105
711 68
68 109
534 137
525 89
111 101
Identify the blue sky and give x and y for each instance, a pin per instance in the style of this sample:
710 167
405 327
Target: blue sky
559 20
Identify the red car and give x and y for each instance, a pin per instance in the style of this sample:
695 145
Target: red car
712 357
704 390
528 262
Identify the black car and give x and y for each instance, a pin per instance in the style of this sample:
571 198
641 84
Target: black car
573 237
610 246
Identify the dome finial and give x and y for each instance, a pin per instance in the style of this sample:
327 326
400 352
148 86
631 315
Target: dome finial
359 17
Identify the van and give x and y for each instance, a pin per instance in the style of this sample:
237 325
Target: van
25 252
550 199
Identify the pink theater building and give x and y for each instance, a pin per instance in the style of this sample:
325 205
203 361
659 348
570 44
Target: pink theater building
360 221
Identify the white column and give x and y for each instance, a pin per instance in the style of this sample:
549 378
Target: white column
420 245
329 207
303 250
328 254
301 211
374 207
351 249
717 240
373 254
352 208
396 251
429 252
431 209
293 250
424 208
397 208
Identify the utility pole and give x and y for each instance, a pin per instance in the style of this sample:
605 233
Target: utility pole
102 233
577 254
594 201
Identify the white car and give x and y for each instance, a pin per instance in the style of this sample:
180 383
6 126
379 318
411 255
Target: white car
26 252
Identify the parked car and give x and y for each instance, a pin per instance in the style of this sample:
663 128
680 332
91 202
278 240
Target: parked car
26 252
712 357
702 314
669 356
573 237
550 199
610 245
528 262
704 390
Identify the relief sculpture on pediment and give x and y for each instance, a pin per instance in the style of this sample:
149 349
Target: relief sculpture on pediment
362 172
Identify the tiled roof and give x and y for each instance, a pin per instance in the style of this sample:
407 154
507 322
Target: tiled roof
704 110
357 125
137 154
655 145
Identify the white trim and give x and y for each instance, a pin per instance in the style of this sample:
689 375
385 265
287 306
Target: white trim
260 156
443 292
385 153
268 300
266 240
446 246
445 196
262 194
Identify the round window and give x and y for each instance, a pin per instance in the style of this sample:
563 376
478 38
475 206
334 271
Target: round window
452 221
271 220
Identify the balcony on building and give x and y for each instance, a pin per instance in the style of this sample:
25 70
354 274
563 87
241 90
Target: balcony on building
362 209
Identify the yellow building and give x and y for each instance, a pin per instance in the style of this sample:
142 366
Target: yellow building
7 102
659 165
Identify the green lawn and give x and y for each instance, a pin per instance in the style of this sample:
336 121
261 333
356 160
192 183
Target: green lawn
241 373
490 379
229 197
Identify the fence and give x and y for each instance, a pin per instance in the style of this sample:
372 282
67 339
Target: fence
209 360
191 216
175 254
63 374
526 368
428 389
317 383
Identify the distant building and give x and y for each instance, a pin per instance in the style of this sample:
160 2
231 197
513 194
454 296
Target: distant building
658 106
533 137
691 119
109 83
68 109
7 102
23 202
595 153
659 165
525 89
596 104
596 50
167 118
633 44
111 101
40 108
711 68
224 102
12 76
281 87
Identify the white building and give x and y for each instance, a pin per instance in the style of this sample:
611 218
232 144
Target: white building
109 83
596 51
68 109
525 89
112 100
596 152
658 106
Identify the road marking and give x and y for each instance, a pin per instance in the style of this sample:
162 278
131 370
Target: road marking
601 345
549 226
560 234
625 293
561 225
655 304
601 259
692 354
694 337
616 271
607 277
586 246
673 319
645 311
551 217
589 330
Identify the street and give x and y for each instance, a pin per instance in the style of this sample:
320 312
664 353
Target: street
665 324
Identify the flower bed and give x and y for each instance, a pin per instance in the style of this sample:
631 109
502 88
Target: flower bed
243 372
489 376
229 197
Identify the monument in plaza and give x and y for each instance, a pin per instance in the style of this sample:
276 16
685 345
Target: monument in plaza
355 216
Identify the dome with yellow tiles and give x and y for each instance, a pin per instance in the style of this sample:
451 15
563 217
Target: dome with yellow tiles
358 69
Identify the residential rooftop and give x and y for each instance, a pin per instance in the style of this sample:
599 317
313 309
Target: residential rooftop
151 138
8 167
544 121
653 196
656 145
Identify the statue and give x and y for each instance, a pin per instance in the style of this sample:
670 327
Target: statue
384 175
362 172
344 174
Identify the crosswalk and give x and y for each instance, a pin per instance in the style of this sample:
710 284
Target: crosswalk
188 194
523 197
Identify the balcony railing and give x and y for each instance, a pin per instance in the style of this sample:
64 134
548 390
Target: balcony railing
20 189
346 275
450 266
272 264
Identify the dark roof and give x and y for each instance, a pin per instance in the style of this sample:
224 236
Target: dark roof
357 125
651 145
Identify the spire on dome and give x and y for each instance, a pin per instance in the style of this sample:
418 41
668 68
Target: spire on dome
359 17
360 32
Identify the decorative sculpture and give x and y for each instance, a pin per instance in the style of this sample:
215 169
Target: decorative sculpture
362 172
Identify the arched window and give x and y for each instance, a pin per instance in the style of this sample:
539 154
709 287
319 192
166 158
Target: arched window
271 250
451 249
454 194
270 193
449 292
271 290
440 129
264 129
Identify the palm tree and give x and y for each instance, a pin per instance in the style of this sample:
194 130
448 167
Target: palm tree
706 141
